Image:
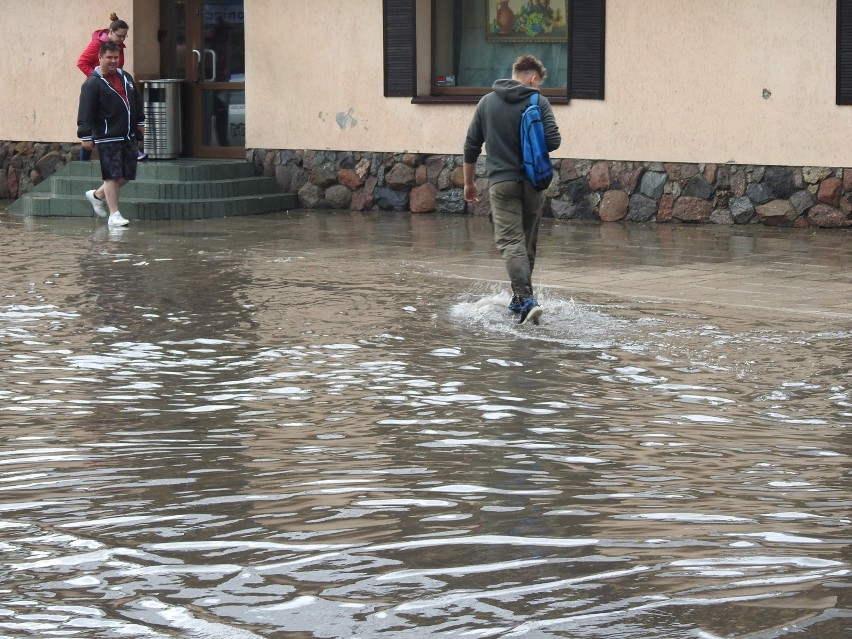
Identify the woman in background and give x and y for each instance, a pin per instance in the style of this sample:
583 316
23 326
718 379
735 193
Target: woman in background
88 60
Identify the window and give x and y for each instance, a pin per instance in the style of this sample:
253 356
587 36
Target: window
474 42
844 51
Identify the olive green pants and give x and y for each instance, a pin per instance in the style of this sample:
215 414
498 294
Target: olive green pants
516 214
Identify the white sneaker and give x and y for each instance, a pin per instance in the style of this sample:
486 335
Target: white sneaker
117 219
100 206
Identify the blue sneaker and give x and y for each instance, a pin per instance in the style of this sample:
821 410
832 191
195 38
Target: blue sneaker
515 304
530 311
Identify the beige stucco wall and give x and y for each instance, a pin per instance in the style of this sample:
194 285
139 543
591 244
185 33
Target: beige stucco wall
39 74
684 82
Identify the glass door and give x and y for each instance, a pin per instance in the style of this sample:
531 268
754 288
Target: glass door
206 46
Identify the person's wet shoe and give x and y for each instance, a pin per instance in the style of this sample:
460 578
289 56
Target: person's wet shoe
117 219
515 304
530 311
99 206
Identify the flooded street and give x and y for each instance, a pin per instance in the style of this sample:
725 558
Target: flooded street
327 425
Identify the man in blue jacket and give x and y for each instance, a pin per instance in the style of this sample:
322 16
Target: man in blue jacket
110 116
515 203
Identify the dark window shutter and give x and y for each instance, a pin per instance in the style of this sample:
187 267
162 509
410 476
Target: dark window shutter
588 34
400 48
844 51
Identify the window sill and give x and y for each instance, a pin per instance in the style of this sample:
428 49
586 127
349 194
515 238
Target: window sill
471 99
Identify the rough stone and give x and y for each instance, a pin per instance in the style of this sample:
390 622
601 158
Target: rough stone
642 208
46 166
338 196
613 206
741 208
562 209
350 179
370 185
311 197
664 211
584 210
815 174
13 181
738 183
710 173
829 191
723 177
284 177
599 179
362 169
802 201
420 176
434 164
847 178
628 180
698 187
777 213
583 167
652 184
576 190
554 189
689 208
722 216
759 193
827 216
568 170
346 160
450 202
390 200
422 198
361 201
400 178
323 175
672 170
457 177
780 181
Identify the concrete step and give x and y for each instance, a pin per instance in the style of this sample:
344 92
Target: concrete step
169 189
172 170
41 204
163 190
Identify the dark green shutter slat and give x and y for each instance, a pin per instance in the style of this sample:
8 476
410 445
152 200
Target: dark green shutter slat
588 19
400 48
844 51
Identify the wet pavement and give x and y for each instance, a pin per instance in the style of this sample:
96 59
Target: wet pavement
327 424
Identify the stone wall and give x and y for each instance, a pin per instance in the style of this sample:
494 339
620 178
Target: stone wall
24 164
581 189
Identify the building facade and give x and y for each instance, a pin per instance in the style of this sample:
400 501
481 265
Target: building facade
671 110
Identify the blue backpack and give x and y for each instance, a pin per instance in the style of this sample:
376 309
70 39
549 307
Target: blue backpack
536 161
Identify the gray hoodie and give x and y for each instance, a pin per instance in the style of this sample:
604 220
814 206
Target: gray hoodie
496 123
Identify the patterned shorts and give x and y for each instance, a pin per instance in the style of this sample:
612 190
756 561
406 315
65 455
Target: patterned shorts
118 159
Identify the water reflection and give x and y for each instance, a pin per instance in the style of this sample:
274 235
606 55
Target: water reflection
326 425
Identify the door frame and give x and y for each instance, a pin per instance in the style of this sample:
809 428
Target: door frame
183 36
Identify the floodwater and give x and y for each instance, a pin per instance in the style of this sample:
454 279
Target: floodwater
325 425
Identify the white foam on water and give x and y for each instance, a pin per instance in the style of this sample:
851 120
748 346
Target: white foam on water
564 321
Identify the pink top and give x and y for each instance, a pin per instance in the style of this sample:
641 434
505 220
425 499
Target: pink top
88 60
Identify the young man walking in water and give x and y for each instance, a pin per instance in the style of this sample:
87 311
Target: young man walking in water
515 203
110 115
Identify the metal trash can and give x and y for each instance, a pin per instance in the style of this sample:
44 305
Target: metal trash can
163 121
